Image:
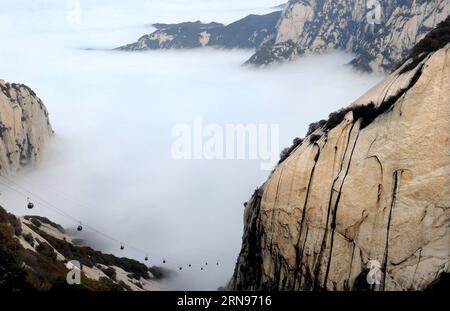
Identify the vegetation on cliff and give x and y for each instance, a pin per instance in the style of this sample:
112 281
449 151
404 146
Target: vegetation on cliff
24 269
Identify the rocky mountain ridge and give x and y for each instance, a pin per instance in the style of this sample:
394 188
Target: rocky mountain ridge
249 32
380 34
36 254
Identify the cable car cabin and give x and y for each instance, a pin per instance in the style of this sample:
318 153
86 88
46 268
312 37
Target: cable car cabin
30 205
146 258
122 247
79 228
164 261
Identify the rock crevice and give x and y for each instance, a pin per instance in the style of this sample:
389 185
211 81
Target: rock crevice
380 41
371 183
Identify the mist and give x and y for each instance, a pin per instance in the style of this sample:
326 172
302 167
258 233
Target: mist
110 163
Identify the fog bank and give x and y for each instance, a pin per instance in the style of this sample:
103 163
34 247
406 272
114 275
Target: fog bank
110 163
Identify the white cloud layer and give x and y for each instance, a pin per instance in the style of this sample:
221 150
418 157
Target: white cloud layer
110 162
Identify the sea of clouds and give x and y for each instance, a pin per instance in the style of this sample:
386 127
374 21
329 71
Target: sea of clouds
110 163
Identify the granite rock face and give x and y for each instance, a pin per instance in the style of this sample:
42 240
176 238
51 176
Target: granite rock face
370 183
380 33
24 127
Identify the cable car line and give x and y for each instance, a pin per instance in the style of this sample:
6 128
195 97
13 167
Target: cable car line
44 203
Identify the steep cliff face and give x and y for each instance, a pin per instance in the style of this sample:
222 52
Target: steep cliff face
317 26
249 32
370 183
24 127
